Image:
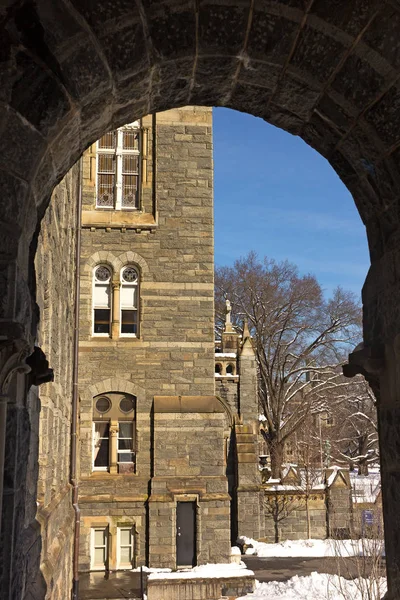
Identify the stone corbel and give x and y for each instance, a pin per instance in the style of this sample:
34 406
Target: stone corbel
368 361
39 367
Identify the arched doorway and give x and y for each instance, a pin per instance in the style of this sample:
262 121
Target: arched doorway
327 72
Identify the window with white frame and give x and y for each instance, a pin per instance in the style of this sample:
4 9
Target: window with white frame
125 442
118 168
99 548
101 445
125 550
129 301
102 300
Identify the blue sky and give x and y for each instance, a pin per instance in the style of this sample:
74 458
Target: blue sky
277 196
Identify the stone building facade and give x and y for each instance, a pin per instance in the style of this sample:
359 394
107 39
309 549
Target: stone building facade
155 469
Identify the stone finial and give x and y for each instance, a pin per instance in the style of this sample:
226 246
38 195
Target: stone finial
247 346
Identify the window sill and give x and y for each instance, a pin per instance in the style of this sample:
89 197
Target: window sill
129 218
107 474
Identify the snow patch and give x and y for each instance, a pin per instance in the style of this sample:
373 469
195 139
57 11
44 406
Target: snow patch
211 570
311 548
317 586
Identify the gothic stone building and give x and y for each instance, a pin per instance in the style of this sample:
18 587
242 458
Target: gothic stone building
158 430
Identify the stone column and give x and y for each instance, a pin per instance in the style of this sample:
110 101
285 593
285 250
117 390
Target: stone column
115 325
379 361
113 447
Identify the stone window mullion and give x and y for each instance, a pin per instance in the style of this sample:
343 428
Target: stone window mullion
118 170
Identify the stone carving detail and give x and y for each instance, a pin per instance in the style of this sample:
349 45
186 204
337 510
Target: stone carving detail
129 275
13 355
102 273
369 362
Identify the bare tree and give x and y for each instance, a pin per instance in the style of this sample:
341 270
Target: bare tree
355 438
299 337
279 505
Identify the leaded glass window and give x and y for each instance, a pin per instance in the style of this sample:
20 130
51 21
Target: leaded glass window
118 168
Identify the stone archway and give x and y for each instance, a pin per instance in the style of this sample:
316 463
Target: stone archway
327 71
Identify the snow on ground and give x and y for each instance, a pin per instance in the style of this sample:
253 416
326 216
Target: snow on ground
210 570
317 586
313 548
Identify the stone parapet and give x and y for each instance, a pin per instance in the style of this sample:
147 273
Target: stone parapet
200 587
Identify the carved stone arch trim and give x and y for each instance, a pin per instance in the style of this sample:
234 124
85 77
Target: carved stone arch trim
102 257
114 384
228 410
131 257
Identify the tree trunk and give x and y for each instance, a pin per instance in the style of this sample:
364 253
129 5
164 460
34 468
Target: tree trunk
363 468
276 450
308 517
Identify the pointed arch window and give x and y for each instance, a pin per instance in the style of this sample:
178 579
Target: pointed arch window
102 300
129 317
118 168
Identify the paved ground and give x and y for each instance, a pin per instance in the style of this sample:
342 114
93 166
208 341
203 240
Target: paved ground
110 586
282 569
125 584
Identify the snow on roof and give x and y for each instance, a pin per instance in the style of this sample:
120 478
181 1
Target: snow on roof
313 479
225 355
333 475
365 488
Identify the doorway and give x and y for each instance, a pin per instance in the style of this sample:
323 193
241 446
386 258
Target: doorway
186 534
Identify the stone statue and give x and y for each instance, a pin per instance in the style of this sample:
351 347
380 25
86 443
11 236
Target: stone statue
228 310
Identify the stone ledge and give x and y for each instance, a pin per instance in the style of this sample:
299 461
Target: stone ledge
193 586
187 404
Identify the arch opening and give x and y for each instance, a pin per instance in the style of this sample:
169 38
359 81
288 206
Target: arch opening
329 76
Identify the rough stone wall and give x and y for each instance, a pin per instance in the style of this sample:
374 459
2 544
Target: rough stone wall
294 525
339 511
55 268
249 516
189 463
37 504
227 389
248 390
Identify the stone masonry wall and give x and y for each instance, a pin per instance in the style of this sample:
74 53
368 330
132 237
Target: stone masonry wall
294 525
43 513
56 296
189 464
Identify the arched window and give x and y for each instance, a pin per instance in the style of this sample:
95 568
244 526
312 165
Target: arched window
230 370
118 168
129 301
114 412
218 369
101 300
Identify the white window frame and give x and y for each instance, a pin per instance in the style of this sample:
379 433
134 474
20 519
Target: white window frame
94 468
93 566
128 450
110 308
136 285
119 151
121 565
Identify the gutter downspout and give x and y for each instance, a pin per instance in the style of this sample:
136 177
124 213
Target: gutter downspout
75 396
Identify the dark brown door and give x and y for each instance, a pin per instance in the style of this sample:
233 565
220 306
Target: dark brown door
186 534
